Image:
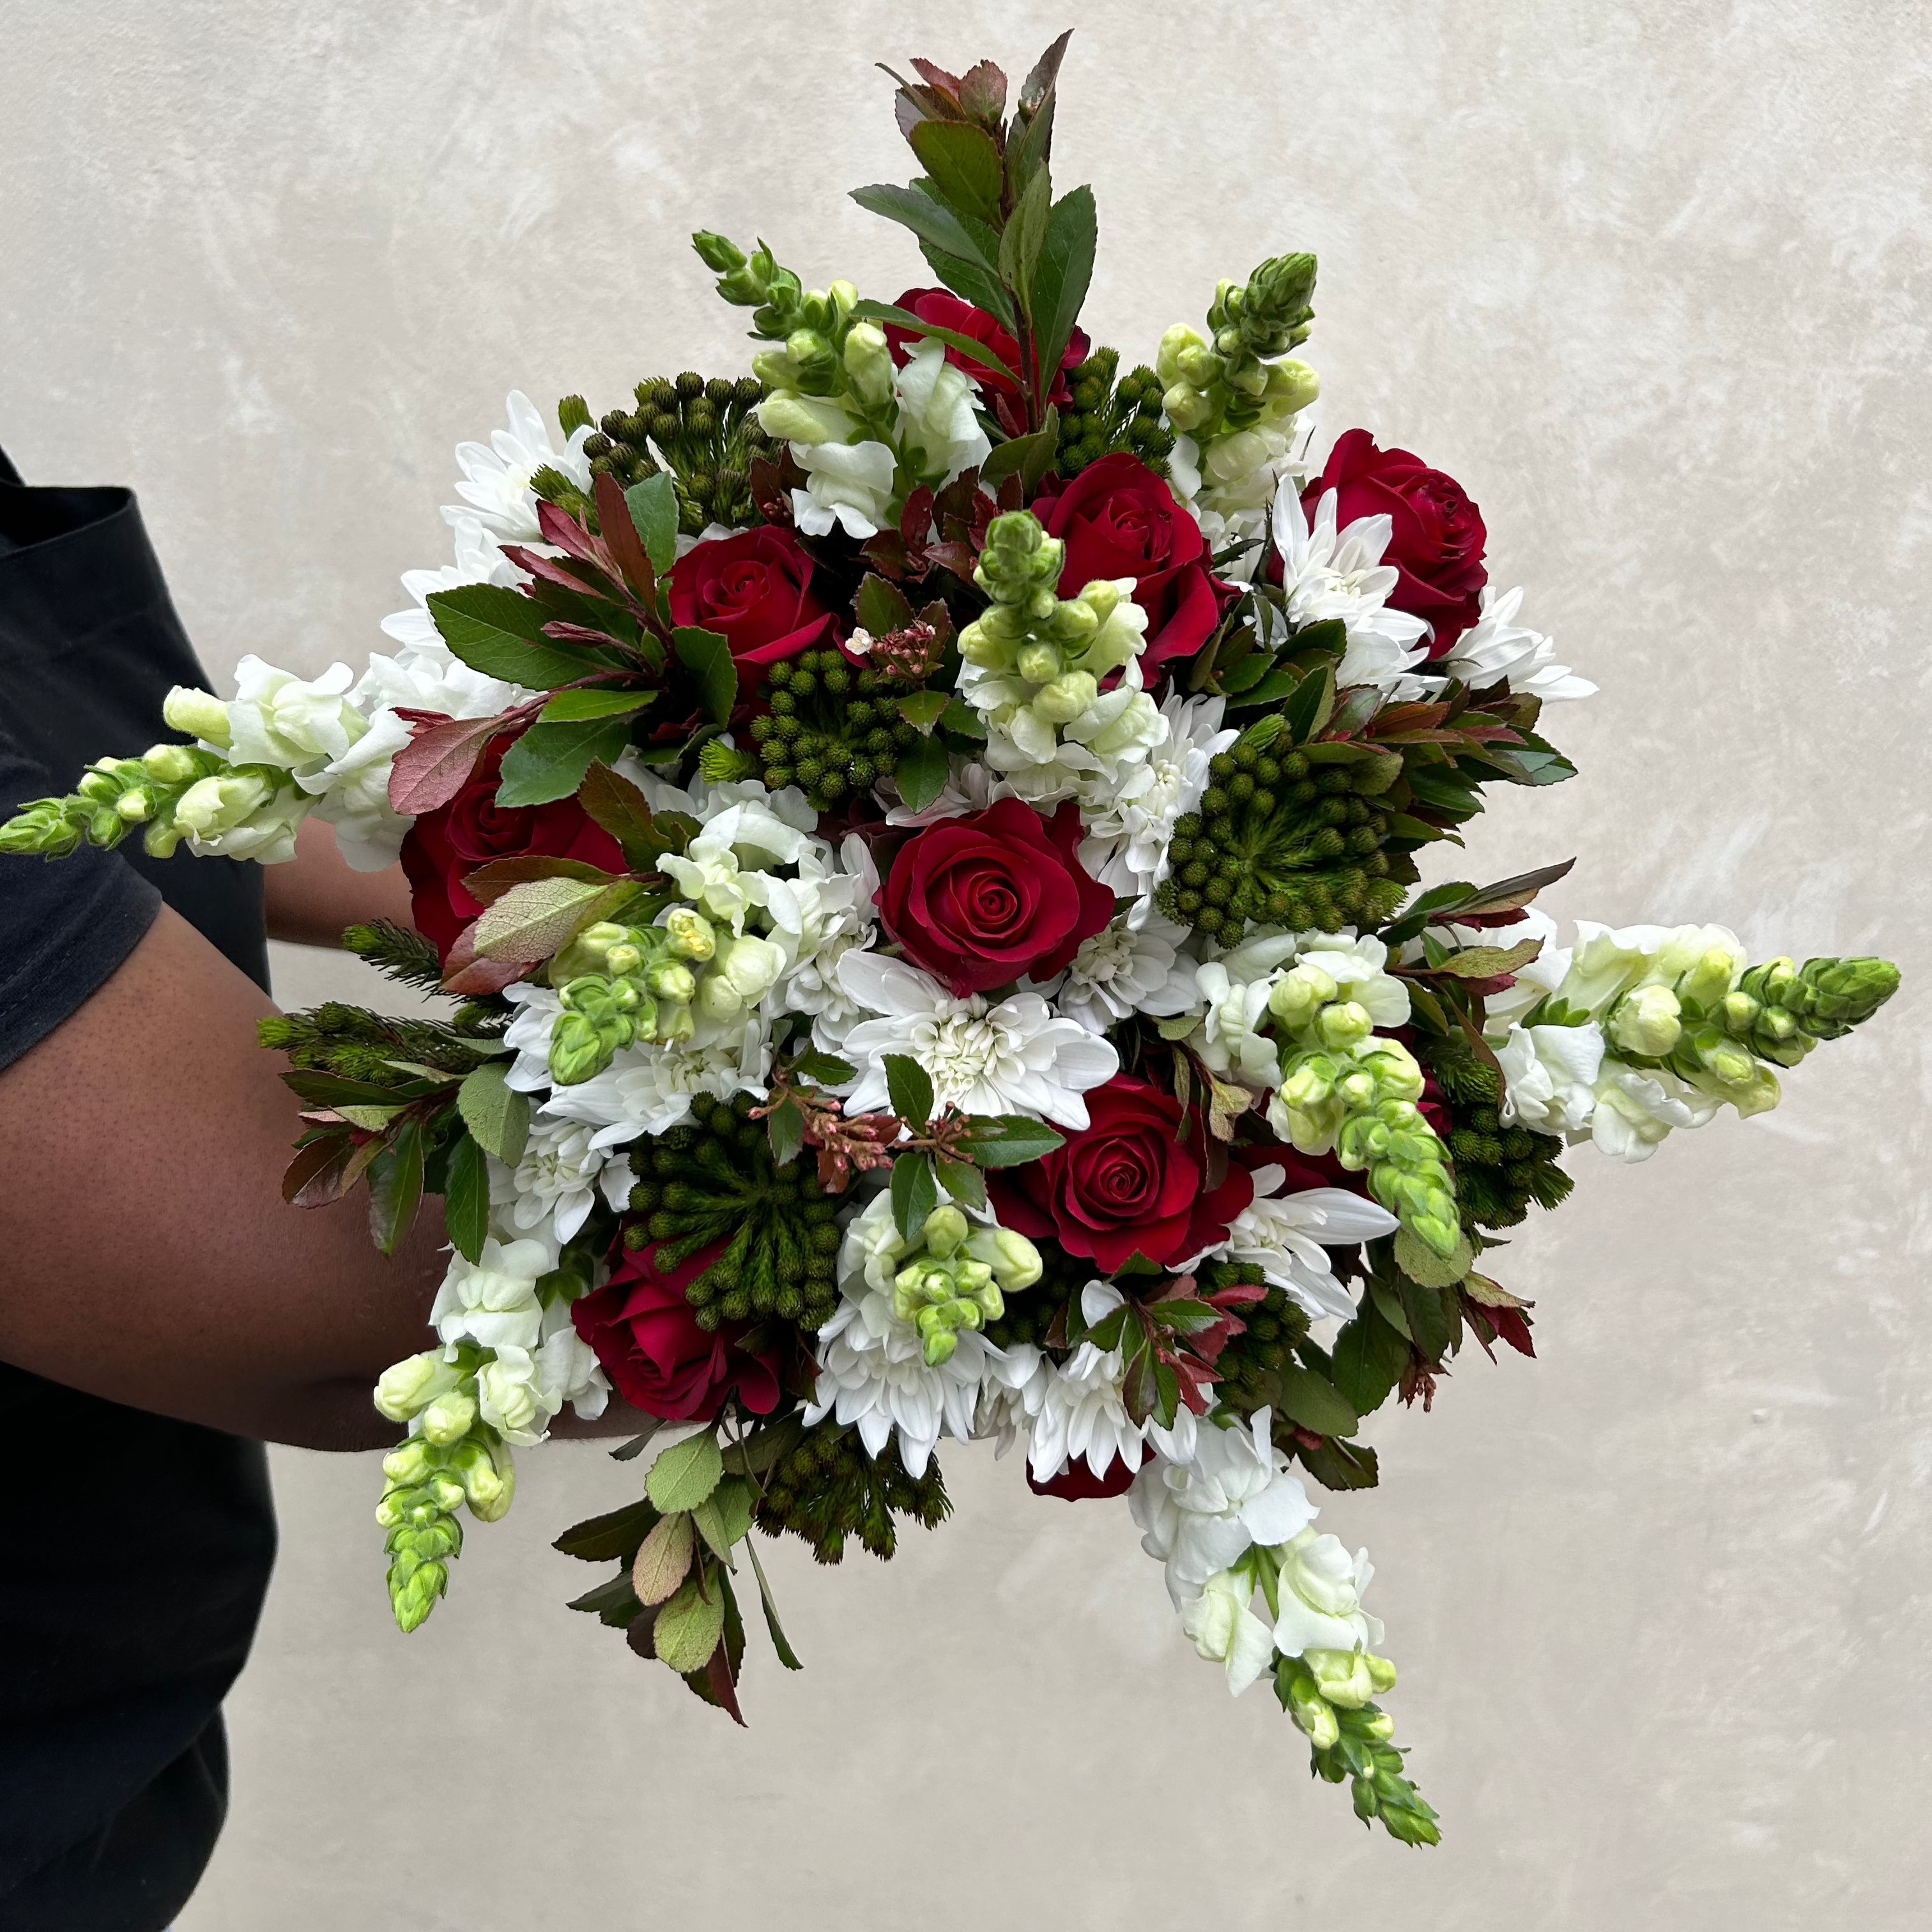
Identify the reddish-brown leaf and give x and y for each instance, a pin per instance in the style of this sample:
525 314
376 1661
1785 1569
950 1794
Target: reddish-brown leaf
464 972
315 1176
434 766
620 536
723 1686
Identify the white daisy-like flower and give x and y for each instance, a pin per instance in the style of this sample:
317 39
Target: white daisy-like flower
1496 646
1129 826
837 913
1327 574
1017 1058
1199 1516
1124 969
496 480
479 560
872 1373
558 1180
1079 1413
1284 1236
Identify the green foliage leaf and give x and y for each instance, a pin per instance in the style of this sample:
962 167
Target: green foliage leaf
880 607
549 761
964 1182
1025 237
708 658
931 221
1431 1326
963 164
497 1116
1311 707
613 1602
623 812
1028 457
1421 1263
663 1560
1314 1402
396 1186
915 1193
911 1088
688 1627
1488 962
962 719
976 284
724 1518
465 1198
571 707
978 356
1511 895
923 709
786 1655
686 1473
1340 1465
1060 285
530 922
653 506
499 631
765 1445
1008 1140
1369 1358
784 1129
921 773
827 1068
615 1534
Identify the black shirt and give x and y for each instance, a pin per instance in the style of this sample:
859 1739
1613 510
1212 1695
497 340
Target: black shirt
134 1549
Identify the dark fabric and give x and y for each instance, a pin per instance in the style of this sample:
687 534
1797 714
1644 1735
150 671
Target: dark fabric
134 1550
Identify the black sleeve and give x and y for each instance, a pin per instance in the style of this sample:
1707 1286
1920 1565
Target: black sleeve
65 924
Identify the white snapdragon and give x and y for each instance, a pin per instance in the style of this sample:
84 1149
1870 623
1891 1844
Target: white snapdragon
298 724
1222 1624
520 1391
1550 1076
495 485
1284 1235
848 485
1017 1057
1200 1517
1328 575
243 814
493 1300
1635 1111
837 913
1129 827
726 871
1321 1598
1127 968
873 1375
1234 989
938 428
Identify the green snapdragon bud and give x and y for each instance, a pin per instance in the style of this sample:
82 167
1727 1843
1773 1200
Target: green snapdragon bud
718 253
45 828
1646 1021
1840 994
172 764
413 1594
412 1384
1311 1713
412 1462
447 1419
488 1476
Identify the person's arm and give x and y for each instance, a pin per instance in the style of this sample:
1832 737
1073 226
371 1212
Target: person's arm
314 896
146 1254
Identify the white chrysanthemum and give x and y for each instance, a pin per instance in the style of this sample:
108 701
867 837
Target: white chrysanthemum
872 1371
837 913
1495 646
479 560
649 1090
1125 969
1284 1235
1128 828
1199 1516
557 1181
1081 1414
1328 575
1017 1058
496 480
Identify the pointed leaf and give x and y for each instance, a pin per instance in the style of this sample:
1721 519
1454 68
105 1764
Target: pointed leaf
1511 895
497 1116
686 1473
931 220
1025 237
964 165
434 766
623 811
1489 962
915 1193
708 658
1309 708
1028 457
910 1088
653 508
315 1177
978 356
923 709
396 1186
488 883
1060 284
688 1627
881 607
1007 1140
971 280
466 1198
548 761
572 707
613 1536
529 922
663 1560
921 773
499 631
964 1182
786 1655
1314 1402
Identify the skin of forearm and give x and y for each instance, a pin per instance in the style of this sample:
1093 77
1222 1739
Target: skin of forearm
314 896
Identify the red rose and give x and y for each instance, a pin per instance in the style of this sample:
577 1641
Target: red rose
1437 543
755 590
656 1355
1077 1483
944 310
1126 1184
444 847
996 896
1118 519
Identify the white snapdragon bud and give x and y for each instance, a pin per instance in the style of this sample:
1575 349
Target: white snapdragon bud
1299 995
213 805
1646 1021
1064 699
691 935
1321 1597
509 1398
168 764
869 363
411 1385
1015 1261
740 976
199 712
446 1420
1341 1025
1350 1679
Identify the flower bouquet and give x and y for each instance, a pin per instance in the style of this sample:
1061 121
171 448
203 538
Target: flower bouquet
921 840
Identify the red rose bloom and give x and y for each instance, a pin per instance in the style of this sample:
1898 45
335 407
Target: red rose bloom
444 847
1437 542
755 590
1124 1186
657 1356
944 310
1118 519
996 896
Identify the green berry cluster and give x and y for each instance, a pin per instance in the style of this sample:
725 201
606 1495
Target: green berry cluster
714 1180
833 731
1104 418
1250 1367
1280 842
1500 1171
828 1489
703 432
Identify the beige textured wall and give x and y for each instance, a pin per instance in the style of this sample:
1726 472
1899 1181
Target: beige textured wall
1650 278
